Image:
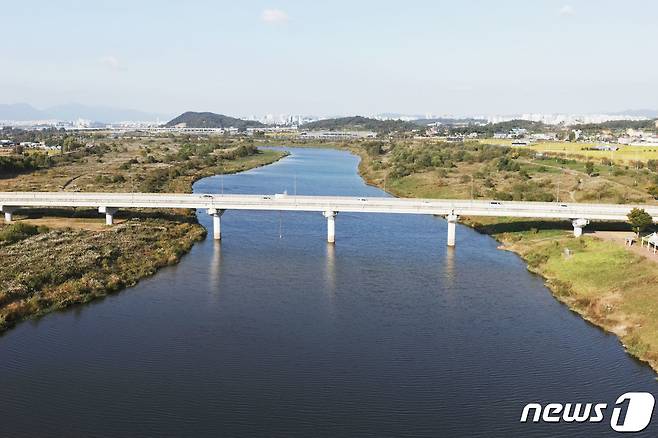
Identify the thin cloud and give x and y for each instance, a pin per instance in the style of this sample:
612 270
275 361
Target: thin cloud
274 16
567 10
462 88
110 62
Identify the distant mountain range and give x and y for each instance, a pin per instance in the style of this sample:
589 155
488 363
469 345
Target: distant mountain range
193 119
74 111
102 114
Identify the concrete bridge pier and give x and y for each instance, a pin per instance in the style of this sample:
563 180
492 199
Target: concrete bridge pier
8 211
216 214
331 225
109 214
578 225
452 228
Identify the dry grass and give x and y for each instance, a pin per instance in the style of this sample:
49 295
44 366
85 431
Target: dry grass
75 223
81 258
60 268
126 165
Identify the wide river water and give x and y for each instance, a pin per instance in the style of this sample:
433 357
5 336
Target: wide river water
274 332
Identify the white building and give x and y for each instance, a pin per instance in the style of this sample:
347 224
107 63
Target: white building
337 135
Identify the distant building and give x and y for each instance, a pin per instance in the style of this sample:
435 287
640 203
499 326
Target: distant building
273 130
635 137
606 147
337 135
521 142
548 136
42 145
517 133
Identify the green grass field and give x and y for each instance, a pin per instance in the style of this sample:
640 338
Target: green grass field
600 280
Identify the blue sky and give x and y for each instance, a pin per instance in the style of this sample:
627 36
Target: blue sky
337 57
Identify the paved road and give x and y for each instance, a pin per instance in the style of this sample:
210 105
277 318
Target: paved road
548 210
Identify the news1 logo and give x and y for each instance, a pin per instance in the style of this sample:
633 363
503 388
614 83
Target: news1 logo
631 413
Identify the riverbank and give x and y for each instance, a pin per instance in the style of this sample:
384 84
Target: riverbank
53 259
606 284
602 281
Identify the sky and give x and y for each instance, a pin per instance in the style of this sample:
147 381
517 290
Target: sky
332 58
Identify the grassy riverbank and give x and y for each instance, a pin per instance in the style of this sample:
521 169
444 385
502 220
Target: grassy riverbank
55 269
602 281
51 259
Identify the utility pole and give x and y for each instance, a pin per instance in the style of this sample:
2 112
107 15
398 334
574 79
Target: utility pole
637 166
558 191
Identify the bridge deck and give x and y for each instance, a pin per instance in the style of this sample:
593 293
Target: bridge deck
548 210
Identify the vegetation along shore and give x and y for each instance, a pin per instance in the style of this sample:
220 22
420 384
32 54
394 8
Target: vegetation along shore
602 280
52 259
599 278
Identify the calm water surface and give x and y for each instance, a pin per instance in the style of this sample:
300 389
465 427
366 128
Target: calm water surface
275 333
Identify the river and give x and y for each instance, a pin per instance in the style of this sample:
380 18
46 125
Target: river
274 332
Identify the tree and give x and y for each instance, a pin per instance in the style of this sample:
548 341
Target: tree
70 144
639 220
589 168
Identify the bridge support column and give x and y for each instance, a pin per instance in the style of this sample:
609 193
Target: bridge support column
216 222
109 214
8 211
452 228
331 225
578 225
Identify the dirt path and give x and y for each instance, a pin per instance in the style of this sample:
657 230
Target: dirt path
70 180
563 169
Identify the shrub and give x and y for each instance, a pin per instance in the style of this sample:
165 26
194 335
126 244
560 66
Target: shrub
653 191
18 231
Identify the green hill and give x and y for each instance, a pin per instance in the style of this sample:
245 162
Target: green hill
361 123
193 119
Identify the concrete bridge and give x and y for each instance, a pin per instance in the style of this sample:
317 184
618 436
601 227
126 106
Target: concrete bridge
109 203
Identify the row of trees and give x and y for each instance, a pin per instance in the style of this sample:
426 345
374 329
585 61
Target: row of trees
15 164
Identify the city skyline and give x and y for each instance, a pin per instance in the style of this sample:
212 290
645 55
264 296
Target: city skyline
23 114
470 58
